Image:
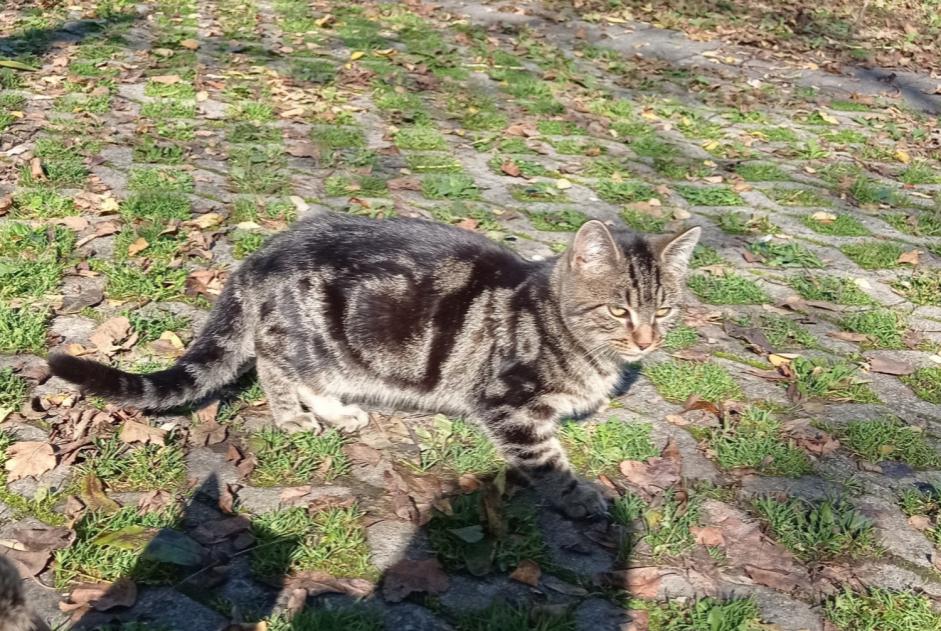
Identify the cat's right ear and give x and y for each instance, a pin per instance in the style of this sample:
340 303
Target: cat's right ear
594 250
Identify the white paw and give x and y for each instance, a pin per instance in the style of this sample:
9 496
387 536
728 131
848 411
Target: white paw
306 422
351 420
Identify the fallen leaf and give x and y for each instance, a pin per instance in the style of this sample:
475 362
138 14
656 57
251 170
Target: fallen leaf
93 495
777 360
909 258
920 522
511 168
527 572
639 582
903 156
158 544
754 336
206 220
707 535
847 336
109 332
406 183
467 223
29 458
823 217
888 366
317 583
357 54
36 170
104 596
153 501
653 475
413 576
302 150
166 79
189 44
136 432
562 184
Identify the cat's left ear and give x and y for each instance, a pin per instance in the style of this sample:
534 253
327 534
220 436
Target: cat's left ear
677 252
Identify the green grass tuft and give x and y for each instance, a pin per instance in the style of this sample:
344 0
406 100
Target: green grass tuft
677 380
885 328
710 195
289 459
889 439
873 254
817 531
841 291
835 382
728 289
599 448
926 383
883 610
842 226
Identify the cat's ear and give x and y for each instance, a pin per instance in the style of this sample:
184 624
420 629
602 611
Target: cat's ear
677 252
594 250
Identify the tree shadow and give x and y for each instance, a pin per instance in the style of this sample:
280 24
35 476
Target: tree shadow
211 568
35 42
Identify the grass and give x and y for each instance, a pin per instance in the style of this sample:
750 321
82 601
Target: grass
150 150
920 225
710 195
668 524
449 186
435 163
704 255
158 282
537 192
797 197
480 535
873 254
247 132
41 203
923 287
13 389
331 540
169 108
420 139
623 192
599 448
727 289
290 459
338 137
788 254
508 617
676 380
257 170
885 328
150 325
358 618
925 501
783 332
735 222
643 222
839 381
244 242
23 329
882 610
920 172
86 559
761 172
456 446
148 179
842 226
817 530
62 164
755 442
706 614
841 291
136 468
566 220
926 383
359 185
883 439
680 337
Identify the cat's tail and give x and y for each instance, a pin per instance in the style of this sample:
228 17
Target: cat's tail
217 357
14 613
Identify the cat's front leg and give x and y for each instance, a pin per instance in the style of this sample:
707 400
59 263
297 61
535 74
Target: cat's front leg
528 442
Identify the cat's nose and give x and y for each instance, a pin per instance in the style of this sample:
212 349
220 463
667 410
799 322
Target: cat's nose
643 345
643 336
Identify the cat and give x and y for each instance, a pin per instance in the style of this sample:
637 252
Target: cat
408 313
14 614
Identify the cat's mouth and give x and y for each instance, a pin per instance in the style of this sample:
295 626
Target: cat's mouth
630 353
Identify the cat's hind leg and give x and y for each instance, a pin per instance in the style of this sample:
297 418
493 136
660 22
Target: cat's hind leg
332 411
284 401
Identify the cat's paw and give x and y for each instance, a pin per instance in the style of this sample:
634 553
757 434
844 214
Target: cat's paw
302 423
584 501
353 419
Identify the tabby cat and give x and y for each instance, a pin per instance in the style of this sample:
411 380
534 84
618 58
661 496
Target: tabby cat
407 313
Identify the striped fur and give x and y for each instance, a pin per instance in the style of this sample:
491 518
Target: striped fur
413 314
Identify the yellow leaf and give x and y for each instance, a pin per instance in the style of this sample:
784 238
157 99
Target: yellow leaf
356 54
207 220
902 156
137 247
823 217
828 118
109 205
711 145
778 360
173 338
562 184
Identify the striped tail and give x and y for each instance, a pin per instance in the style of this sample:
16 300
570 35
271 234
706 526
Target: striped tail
217 357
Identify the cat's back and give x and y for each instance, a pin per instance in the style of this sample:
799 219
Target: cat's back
364 246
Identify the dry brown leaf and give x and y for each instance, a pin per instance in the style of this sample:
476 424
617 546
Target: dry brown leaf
189 44
511 168
317 583
847 336
105 596
920 522
93 495
707 535
165 79
36 170
206 220
887 366
153 501
909 258
406 183
136 432
639 582
106 336
653 475
413 576
467 223
527 572
139 245
823 217
29 458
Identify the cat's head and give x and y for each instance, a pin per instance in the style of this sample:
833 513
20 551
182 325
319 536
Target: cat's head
621 292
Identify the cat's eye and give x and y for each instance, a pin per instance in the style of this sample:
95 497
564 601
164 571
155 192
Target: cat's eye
663 312
616 311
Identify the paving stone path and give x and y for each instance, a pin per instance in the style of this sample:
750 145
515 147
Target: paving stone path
776 463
